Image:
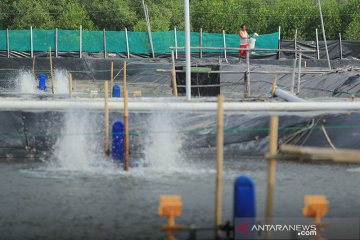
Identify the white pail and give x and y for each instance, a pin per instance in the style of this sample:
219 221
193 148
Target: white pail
252 42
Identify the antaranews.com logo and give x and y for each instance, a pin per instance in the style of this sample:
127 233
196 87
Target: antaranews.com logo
297 228
302 230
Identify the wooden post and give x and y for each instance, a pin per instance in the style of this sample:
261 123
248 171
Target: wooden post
70 85
219 159
126 130
126 122
124 69
106 93
111 78
33 67
273 86
174 84
273 143
51 71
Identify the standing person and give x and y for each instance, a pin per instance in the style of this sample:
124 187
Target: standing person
244 40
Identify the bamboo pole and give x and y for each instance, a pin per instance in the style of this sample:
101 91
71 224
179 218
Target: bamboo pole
51 71
174 84
33 67
219 159
106 93
70 85
273 143
126 130
124 69
126 123
111 78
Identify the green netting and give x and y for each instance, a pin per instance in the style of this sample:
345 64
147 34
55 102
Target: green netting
214 40
43 40
162 41
139 42
19 40
93 41
194 40
115 41
3 40
69 40
268 41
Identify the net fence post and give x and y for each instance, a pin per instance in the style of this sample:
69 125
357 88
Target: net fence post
56 42
295 43
176 43
80 47
104 40
31 42
299 73
201 42
317 44
340 46
8 43
224 44
127 43
279 43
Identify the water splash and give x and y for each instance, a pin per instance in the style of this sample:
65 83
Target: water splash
163 144
25 83
61 81
79 148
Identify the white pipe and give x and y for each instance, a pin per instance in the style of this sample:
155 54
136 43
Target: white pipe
187 50
287 96
117 104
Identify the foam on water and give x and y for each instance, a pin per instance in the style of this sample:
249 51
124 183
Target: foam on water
61 81
163 143
78 150
25 83
79 147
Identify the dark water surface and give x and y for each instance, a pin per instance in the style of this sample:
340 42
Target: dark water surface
37 202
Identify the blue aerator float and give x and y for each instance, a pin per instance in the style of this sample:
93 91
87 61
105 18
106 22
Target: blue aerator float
116 91
42 82
118 148
244 208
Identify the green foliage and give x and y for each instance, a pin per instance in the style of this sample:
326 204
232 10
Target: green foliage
72 16
26 13
262 16
111 14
